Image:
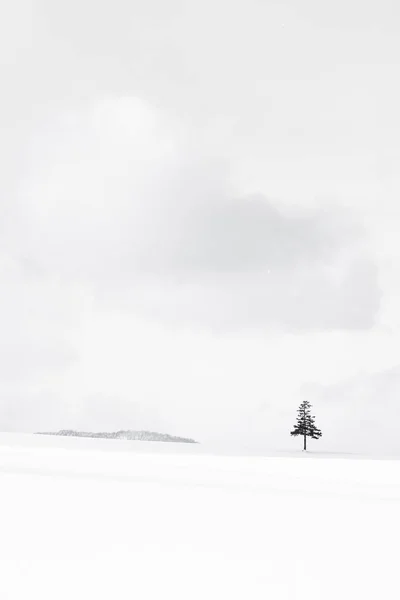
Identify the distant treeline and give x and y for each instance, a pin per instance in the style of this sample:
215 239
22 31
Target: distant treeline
144 436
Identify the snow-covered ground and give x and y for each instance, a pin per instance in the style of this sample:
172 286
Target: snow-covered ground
101 519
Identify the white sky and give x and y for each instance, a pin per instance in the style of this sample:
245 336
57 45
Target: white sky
199 218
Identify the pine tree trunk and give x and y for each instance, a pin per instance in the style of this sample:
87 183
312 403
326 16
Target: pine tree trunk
305 442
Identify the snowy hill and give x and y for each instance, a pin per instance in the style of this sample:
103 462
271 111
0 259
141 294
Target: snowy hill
92 518
145 436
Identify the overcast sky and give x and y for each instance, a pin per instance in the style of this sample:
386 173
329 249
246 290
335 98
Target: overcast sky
199 218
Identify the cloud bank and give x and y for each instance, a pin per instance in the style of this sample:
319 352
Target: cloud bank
116 199
363 409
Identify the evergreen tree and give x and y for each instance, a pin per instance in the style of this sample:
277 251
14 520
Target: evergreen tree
305 425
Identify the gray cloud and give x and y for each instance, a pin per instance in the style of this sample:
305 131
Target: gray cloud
108 208
380 390
225 235
26 410
111 412
36 315
49 408
362 410
114 200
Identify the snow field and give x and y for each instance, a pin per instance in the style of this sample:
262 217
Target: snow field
145 521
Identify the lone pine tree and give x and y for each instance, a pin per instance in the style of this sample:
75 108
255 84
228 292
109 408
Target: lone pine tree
305 425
